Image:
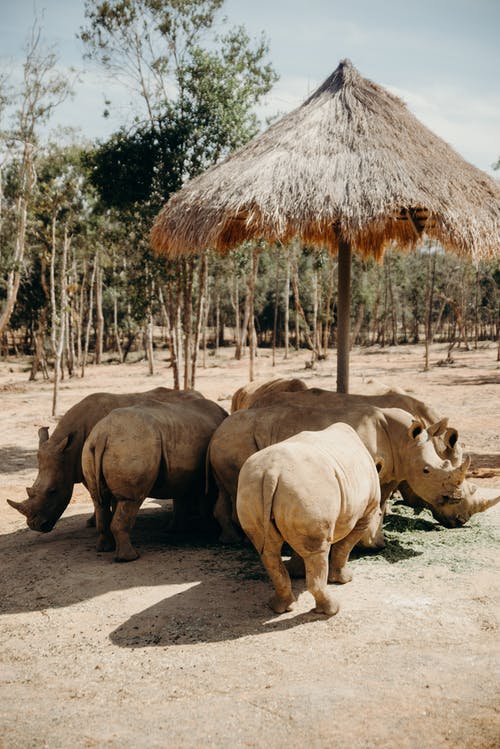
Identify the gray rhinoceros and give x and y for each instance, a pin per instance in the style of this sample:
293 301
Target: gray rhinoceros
149 450
253 392
312 490
450 514
446 442
59 456
401 446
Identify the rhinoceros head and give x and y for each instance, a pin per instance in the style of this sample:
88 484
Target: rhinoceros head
441 481
455 509
50 494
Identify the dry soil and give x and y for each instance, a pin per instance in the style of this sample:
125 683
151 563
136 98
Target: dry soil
178 649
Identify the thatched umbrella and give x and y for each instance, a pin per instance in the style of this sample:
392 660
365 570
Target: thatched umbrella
350 169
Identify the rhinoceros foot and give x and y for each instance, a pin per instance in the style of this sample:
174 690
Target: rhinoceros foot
229 535
126 553
340 576
280 605
328 606
105 543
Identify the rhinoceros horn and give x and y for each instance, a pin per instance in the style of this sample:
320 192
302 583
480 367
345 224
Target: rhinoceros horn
487 497
19 506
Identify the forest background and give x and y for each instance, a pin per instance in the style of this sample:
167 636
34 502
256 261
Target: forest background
78 281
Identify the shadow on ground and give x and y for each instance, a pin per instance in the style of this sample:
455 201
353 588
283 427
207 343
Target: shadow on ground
491 379
484 465
61 568
14 459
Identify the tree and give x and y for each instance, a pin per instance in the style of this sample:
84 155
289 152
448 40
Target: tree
42 90
197 107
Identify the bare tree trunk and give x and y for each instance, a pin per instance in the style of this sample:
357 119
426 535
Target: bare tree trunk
235 300
171 312
99 328
357 325
62 317
149 343
115 326
202 280
89 320
217 323
390 297
286 322
244 339
251 308
299 309
80 316
14 275
275 316
429 303
328 304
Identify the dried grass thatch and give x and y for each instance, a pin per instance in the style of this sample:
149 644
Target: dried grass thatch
351 163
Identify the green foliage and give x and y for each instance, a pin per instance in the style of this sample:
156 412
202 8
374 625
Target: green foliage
199 100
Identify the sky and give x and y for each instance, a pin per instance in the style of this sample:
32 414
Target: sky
442 57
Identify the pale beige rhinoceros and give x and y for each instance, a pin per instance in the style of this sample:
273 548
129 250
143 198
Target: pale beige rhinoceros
59 456
402 446
150 450
450 514
312 490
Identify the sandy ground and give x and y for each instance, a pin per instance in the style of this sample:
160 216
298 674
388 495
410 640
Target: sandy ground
179 648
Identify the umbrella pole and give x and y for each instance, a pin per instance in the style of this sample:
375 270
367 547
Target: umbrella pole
343 316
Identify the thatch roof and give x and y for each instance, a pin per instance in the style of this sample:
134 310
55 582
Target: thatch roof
351 162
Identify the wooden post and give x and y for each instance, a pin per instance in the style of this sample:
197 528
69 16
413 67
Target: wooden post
343 316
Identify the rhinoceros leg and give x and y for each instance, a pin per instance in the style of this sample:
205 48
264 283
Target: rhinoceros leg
223 514
90 522
121 527
295 566
316 581
271 559
339 555
105 540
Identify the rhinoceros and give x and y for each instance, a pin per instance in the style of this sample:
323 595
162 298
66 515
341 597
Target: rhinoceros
59 456
252 392
147 451
400 444
445 440
446 443
312 490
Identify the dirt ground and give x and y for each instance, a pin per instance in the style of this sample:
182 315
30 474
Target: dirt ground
179 649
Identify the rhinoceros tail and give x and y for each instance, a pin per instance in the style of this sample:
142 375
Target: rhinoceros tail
92 467
270 482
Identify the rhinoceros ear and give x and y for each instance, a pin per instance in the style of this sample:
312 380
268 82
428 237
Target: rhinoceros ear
43 435
415 429
451 437
65 442
379 464
438 428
